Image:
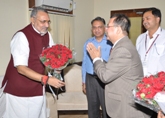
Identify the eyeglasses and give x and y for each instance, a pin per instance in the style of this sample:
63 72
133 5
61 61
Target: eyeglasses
99 27
108 26
43 21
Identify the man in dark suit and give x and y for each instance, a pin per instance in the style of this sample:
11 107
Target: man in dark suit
122 72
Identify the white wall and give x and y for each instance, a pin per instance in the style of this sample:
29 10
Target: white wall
83 15
13 17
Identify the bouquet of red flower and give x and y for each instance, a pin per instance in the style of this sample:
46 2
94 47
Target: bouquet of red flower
56 58
147 89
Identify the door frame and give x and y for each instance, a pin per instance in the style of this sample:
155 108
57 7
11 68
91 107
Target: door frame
132 13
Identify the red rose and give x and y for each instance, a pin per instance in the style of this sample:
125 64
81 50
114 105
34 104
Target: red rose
160 74
56 56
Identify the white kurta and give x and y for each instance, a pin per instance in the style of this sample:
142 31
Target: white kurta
24 107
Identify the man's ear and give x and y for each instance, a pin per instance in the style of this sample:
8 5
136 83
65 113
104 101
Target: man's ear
119 30
32 20
158 19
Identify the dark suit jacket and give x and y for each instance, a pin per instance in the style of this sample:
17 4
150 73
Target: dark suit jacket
121 74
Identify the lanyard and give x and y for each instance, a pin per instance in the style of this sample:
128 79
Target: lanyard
150 45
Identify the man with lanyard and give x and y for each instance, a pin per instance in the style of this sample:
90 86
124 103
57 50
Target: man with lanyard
24 78
151 44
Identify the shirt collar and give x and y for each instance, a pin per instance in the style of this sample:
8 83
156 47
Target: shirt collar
156 33
116 42
104 38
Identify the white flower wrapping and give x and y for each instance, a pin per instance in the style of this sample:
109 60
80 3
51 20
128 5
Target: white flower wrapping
160 99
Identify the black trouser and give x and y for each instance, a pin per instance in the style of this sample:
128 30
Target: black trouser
95 97
154 115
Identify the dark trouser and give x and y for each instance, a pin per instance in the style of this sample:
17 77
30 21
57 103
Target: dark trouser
95 97
154 115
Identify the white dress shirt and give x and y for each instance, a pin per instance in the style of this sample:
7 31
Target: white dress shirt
152 51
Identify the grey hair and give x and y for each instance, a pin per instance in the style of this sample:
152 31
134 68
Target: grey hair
36 9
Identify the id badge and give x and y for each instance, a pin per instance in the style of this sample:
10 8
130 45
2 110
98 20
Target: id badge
145 63
145 67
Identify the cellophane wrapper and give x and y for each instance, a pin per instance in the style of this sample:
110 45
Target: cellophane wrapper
150 92
55 59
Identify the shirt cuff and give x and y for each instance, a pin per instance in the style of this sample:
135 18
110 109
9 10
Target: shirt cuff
97 58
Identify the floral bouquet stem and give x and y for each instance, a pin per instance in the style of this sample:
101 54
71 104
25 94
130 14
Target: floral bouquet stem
57 75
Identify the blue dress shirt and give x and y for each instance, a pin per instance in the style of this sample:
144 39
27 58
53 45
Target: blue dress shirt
87 64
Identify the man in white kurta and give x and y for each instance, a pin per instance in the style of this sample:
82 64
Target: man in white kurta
25 95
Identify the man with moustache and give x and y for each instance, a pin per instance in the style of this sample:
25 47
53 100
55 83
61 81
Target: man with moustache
92 86
151 44
25 78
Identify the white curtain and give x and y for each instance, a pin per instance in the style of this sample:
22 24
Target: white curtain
61 29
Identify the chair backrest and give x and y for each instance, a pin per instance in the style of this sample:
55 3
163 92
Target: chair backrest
73 78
